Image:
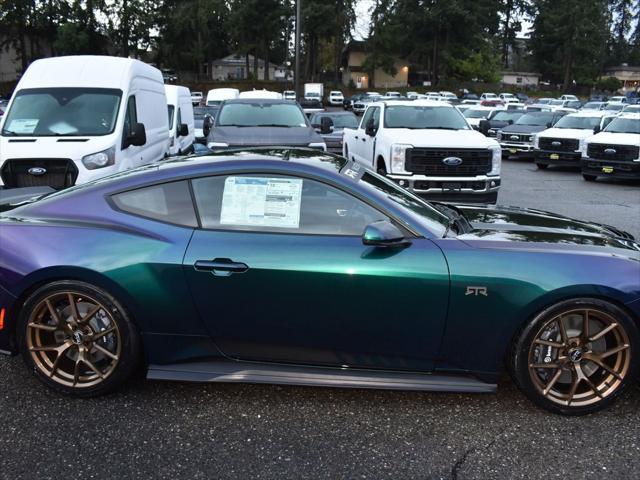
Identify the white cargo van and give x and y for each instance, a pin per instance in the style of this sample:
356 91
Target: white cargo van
218 95
181 121
261 94
77 118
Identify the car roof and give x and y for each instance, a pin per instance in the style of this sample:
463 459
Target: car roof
588 113
630 115
259 101
413 103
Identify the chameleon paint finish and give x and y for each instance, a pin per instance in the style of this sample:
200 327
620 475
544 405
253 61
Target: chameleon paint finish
441 304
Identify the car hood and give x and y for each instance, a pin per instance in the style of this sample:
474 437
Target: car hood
247 136
52 147
523 128
515 224
577 133
616 138
442 138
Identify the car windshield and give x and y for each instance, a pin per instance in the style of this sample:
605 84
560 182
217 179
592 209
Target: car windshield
505 116
261 115
432 218
624 125
632 108
583 123
340 121
556 102
615 107
544 101
200 112
539 120
421 117
53 112
592 105
313 95
475 113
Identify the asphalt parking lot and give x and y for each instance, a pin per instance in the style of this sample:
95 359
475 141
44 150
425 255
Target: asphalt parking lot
172 430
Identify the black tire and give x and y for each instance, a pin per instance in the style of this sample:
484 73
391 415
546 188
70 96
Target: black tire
126 334
523 375
381 168
542 166
589 178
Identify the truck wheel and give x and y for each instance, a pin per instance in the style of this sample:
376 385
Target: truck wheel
541 166
589 178
381 168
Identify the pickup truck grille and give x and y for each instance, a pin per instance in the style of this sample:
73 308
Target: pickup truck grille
58 173
516 137
430 161
605 151
558 144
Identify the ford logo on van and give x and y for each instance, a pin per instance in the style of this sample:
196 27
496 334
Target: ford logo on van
452 161
37 171
610 151
556 143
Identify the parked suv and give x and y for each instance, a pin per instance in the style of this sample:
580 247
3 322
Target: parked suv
259 122
614 152
429 148
517 140
563 144
331 125
498 119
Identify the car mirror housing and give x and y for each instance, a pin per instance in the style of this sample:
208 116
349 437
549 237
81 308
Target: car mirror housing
384 234
596 129
137 137
183 130
370 128
326 125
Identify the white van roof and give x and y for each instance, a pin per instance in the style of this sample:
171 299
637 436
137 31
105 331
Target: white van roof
260 94
222 94
93 71
173 92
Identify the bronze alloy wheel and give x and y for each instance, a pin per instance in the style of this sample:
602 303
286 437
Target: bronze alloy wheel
73 339
579 357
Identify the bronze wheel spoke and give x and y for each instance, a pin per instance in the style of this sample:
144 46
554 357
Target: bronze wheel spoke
90 364
74 308
613 351
76 369
50 348
89 315
548 343
551 383
592 386
53 312
61 350
544 365
585 326
40 326
603 332
603 365
105 351
98 335
563 331
575 381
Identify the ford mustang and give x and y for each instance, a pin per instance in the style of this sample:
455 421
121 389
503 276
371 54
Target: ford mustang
294 266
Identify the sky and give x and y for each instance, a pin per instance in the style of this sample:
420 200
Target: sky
363 19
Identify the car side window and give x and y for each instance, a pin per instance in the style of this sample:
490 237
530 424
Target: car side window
168 202
283 204
365 118
376 117
179 120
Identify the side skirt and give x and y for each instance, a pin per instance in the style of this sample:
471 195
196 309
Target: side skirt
251 372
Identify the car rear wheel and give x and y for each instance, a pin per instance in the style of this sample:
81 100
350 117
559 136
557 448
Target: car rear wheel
541 166
589 178
576 357
78 339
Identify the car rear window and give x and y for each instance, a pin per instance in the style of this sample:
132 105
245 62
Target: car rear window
169 203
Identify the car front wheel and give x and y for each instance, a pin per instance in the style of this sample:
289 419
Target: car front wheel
78 339
577 356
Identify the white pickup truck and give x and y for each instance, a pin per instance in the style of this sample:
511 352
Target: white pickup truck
429 148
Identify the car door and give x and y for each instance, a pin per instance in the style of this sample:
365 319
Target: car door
279 273
131 155
356 149
369 142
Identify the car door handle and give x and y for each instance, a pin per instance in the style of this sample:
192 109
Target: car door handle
364 139
220 266
356 137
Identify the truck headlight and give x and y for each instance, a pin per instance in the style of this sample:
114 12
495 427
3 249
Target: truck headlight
318 146
535 141
100 159
582 146
496 160
399 157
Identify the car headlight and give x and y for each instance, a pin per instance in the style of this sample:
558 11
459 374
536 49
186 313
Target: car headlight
535 141
399 157
214 145
318 146
496 160
100 159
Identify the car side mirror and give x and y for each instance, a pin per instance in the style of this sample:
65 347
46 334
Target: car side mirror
137 137
483 126
370 128
549 124
596 129
384 234
206 126
509 122
326 125
183 130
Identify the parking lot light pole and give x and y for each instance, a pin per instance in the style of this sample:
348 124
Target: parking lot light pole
297 46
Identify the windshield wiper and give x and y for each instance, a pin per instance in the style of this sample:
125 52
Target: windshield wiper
456 218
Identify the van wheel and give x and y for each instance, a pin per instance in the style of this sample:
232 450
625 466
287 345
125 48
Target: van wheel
589 178
541 166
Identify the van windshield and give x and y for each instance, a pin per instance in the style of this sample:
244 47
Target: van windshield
423 117
63 112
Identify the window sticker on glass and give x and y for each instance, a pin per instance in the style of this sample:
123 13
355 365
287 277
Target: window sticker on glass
267 202
23 126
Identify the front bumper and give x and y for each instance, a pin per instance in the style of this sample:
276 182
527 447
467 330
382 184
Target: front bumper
563 159
516 150
480 189
629 170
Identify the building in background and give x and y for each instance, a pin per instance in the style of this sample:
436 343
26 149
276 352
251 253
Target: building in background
520 79
234 67
629 75
353 61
